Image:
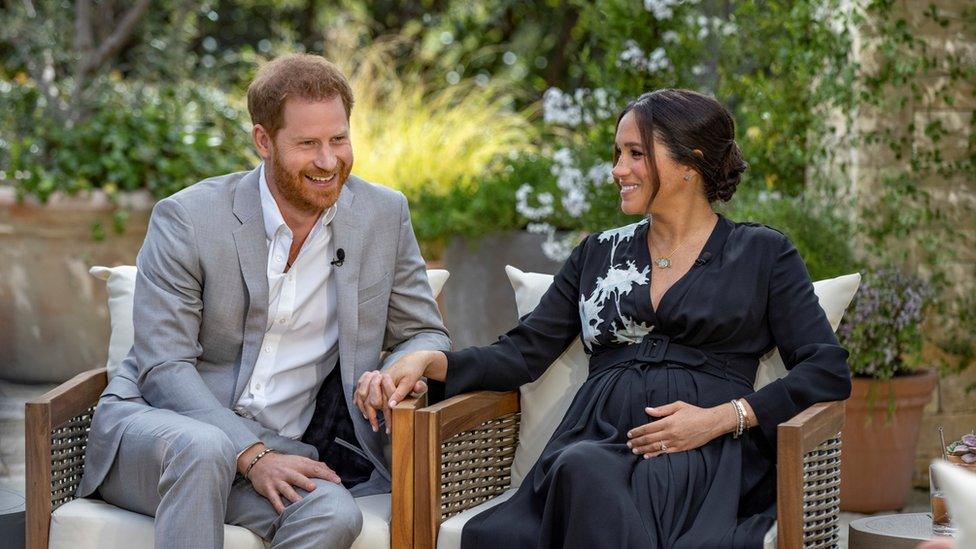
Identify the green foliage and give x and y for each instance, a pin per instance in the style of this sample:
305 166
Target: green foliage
160 138
422 140
822 238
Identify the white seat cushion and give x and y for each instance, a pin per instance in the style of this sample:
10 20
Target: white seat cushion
449 536
93 524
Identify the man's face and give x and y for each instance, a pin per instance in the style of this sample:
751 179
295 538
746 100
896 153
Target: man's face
310 158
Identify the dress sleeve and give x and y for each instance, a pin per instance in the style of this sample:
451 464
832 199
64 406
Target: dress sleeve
525 352
817 364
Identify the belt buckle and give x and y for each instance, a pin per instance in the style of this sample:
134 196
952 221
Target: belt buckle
653 348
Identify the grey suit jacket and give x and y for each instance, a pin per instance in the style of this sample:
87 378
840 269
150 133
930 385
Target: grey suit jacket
200 312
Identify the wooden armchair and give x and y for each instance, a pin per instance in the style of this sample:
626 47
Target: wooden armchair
57 432
465 447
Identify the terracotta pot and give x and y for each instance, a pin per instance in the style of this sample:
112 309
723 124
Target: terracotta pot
54 315
956 460
879 448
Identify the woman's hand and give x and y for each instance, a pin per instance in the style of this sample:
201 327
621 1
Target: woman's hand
680 427
408 370
370 396
376 390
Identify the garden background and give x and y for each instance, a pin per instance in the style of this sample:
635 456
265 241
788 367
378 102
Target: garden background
496 118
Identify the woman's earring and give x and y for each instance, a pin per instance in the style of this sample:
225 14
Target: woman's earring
687 177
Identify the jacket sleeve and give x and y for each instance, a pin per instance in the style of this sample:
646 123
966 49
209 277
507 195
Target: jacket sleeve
816 363
413 321
525 352
166 315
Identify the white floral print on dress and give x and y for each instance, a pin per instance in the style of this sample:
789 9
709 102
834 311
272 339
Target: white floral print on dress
619 281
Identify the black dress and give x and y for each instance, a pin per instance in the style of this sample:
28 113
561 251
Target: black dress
748 292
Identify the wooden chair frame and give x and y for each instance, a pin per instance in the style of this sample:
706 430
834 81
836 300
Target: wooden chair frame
57 425
465 447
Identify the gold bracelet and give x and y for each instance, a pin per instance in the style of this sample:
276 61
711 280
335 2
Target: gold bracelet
250 466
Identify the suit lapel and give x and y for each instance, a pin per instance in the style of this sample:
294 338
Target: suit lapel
252 252
347 236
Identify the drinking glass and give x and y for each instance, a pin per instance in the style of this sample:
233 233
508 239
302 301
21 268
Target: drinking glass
941 521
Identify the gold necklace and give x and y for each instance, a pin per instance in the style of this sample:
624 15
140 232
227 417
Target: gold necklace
664 262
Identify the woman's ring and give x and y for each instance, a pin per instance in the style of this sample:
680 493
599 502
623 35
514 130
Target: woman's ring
664 446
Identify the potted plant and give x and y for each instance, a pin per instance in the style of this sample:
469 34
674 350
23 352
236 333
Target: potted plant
882 331
963 451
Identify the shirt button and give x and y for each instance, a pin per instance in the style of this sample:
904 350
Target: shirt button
281 321
257 386
267 349
278 258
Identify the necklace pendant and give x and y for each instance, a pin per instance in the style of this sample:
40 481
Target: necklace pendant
662 262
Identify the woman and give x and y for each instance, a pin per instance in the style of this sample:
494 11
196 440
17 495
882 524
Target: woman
657 449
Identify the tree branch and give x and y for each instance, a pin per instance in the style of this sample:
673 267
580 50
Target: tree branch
111 46
84 38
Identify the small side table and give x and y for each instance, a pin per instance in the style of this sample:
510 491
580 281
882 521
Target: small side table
904 531
12 519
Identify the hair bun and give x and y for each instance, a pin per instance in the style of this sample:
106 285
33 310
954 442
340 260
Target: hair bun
728 174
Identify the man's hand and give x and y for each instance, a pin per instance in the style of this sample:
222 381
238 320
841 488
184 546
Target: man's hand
277 475
680 427
375 389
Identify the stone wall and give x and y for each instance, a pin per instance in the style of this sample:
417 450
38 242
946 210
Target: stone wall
53 314
952 406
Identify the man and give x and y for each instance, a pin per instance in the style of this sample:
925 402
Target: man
257 291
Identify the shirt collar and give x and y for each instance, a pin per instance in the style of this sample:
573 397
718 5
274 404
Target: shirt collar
274 221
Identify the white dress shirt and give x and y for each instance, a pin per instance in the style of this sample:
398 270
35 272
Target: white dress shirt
300 346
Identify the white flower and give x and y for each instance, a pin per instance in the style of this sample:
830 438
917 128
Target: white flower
526 210
634 56
590 320
560 109
661 9
558 248
600 174
669 37
631 332
619 282
563 158
568 179
620 234
575 203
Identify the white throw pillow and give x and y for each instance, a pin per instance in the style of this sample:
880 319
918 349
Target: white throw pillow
121 283
544 402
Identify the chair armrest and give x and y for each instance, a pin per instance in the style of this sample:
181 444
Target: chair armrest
56 432
464 448
808 477
402 466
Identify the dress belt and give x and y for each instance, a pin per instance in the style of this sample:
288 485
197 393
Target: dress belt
657 349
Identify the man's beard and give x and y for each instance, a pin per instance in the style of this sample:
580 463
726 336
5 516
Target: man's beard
298 192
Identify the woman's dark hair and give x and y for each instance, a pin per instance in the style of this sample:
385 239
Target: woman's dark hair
686 121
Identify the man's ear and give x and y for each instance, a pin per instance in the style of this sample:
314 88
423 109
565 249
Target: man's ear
262 141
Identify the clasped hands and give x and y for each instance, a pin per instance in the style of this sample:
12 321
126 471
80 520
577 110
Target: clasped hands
377 392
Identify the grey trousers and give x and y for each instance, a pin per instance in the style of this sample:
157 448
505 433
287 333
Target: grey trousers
183 472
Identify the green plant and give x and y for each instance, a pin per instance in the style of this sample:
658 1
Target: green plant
420 139
156 137
822 237
883 329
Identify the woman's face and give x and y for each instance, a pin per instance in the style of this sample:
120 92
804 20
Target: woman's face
632 173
